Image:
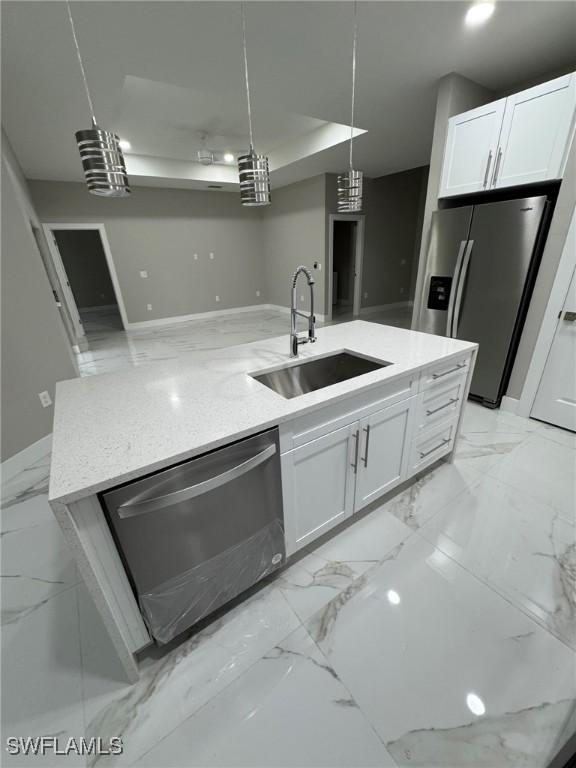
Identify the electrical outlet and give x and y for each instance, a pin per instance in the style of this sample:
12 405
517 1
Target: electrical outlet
402 261
257 293
211 255
318 266
45 399
365 294
195 257
143 273
217 298
149 307
301 298
402 289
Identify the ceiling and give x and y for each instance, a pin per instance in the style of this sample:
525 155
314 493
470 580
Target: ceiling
168 77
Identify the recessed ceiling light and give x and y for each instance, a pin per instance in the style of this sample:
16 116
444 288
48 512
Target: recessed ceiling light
479 13
125 145
215 186
229 157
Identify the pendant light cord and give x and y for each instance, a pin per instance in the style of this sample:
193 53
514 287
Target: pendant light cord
246 73
354 46
81 63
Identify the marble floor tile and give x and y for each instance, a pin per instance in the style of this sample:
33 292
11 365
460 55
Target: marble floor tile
518 545
478 419
543 468
431 492
456 655
482 450
173 687
562 436
41 678
288 709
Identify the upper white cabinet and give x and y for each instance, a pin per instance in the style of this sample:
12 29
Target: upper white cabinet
535 133
522 139
471 147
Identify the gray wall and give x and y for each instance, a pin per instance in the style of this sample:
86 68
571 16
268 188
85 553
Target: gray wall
86 267
455 94
159 231
294 233
35 351
393 212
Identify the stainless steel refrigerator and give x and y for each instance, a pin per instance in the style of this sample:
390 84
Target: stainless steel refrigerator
480 271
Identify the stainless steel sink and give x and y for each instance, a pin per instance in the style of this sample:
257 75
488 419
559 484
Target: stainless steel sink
295 380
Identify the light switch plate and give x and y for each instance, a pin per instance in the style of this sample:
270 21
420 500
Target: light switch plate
45 399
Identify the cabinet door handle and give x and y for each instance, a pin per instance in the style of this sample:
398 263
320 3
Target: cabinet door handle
496 167
489 162
356 437
452 400
365 458
427 453
451 370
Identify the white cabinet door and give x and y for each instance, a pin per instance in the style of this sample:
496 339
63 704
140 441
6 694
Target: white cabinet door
535 135
384 440
318 480
470 151
555 400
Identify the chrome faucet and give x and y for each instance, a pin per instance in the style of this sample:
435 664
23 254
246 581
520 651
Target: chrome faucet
296 340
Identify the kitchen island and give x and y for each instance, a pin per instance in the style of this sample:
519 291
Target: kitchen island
115 428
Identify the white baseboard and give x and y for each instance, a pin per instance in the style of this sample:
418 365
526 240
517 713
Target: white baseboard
24 458
385 307
509 404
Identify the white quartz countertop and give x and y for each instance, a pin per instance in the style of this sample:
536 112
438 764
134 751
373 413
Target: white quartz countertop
116 427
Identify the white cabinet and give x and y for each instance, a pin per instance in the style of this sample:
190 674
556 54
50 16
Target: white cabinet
471 147
535 133
383 454
522 139
318 485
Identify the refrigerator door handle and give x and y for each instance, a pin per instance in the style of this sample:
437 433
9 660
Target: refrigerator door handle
460 287
454 286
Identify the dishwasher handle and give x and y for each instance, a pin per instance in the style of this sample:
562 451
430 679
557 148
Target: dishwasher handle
141 507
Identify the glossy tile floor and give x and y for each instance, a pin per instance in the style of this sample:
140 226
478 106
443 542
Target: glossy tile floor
439 630
111 348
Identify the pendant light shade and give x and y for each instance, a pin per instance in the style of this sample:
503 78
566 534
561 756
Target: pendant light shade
350 192
103 162
253 169
100 152
254 179
350 183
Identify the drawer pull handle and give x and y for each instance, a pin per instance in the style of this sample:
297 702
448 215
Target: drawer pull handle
365 457
356 437
450 370
452 400
423 454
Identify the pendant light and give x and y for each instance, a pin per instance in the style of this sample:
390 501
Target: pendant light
100 151
350 183
252 168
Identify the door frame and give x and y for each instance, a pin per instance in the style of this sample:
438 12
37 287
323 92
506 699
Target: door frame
358 259
550 321
49 228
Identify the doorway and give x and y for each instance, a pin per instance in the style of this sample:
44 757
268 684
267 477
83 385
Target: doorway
346 238
83 262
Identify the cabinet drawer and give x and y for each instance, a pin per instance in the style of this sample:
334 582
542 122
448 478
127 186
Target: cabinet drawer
441 373
311 426
432 444
440 402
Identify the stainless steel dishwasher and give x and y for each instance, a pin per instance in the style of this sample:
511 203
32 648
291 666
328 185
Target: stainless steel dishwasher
196 535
